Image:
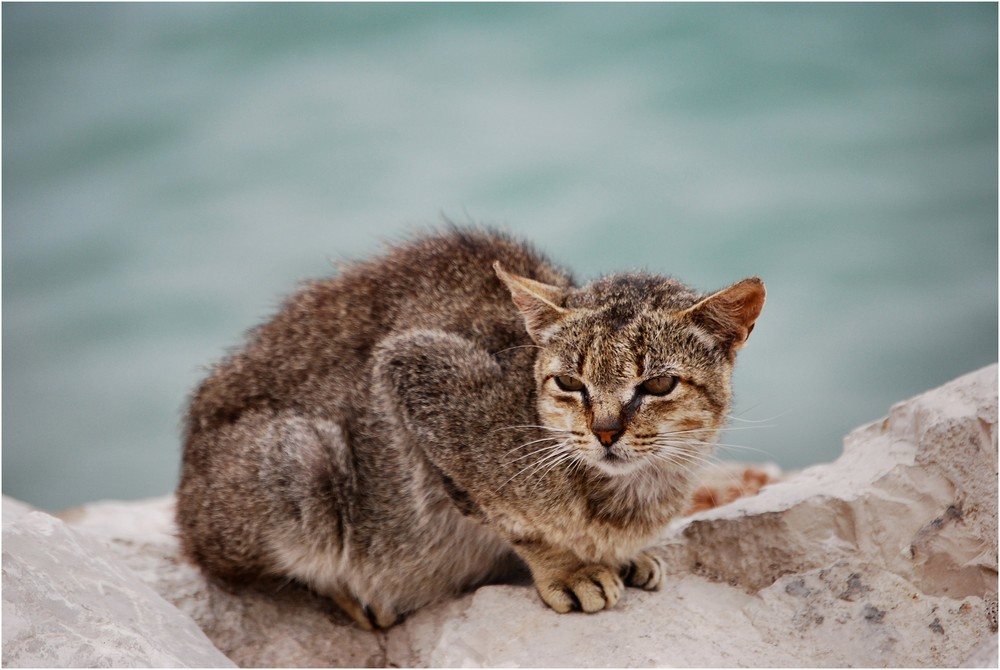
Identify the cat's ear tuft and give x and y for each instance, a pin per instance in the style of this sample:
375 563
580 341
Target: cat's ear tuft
730 314
540 304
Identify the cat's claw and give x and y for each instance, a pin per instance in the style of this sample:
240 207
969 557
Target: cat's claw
645 571
367 617
381 619
591 588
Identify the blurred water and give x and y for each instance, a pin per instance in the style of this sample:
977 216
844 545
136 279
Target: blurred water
170 171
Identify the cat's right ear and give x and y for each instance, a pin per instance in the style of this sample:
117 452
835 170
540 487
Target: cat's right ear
540 304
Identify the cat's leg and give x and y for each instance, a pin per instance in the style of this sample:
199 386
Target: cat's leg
645 571
437 385
565 582
307 473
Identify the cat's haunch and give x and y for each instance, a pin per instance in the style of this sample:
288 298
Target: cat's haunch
426 421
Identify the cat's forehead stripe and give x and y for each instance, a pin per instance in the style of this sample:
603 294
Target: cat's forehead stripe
611 360
654 343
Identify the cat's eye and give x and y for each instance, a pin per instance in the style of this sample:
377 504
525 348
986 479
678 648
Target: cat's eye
661 385
567 383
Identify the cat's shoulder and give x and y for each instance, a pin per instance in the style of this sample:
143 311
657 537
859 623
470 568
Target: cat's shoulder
469 249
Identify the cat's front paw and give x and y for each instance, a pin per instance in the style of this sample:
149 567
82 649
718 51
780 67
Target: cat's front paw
645 571
591 588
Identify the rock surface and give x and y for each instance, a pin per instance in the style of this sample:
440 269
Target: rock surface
886 557
68 602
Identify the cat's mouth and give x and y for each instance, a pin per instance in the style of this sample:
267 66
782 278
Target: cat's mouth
616 464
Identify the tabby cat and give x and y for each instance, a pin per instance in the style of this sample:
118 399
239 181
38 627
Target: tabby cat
425 421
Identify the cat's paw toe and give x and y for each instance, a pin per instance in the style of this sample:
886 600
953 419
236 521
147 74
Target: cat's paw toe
645 571
589 589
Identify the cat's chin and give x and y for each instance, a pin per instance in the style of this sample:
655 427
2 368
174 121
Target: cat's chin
616 466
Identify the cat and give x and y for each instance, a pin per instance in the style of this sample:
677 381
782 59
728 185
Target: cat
428 421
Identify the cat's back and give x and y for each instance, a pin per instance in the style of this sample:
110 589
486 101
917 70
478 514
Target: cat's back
314 353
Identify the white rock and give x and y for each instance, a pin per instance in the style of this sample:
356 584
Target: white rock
67 602
886 557
689 623
15 509
984 656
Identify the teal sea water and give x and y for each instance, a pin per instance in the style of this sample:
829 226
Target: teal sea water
171 171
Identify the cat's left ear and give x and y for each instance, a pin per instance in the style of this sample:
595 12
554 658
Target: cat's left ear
540 304
730 314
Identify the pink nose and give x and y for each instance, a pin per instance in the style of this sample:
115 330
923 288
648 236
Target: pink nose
607 429
608 437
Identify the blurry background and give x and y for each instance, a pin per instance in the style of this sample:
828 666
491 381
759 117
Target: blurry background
171 171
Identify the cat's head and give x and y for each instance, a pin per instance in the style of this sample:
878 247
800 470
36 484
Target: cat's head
635 370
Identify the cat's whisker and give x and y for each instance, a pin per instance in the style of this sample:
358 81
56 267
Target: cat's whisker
733 417
528 425
693 472
687 459
687 469
684 469
754 427
697 463
726 446
688 442
521 346
528 444
743 447
548 447
578 463
666 441
695 431
685 455
694 463
556 449
545 460
566 456
681 441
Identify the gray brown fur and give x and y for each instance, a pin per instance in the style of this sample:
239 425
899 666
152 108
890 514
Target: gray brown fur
394 435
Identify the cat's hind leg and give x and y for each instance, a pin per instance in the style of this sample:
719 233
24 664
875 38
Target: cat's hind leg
308 475
366 616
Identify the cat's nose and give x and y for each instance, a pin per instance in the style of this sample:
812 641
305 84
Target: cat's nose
607 431
608 437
